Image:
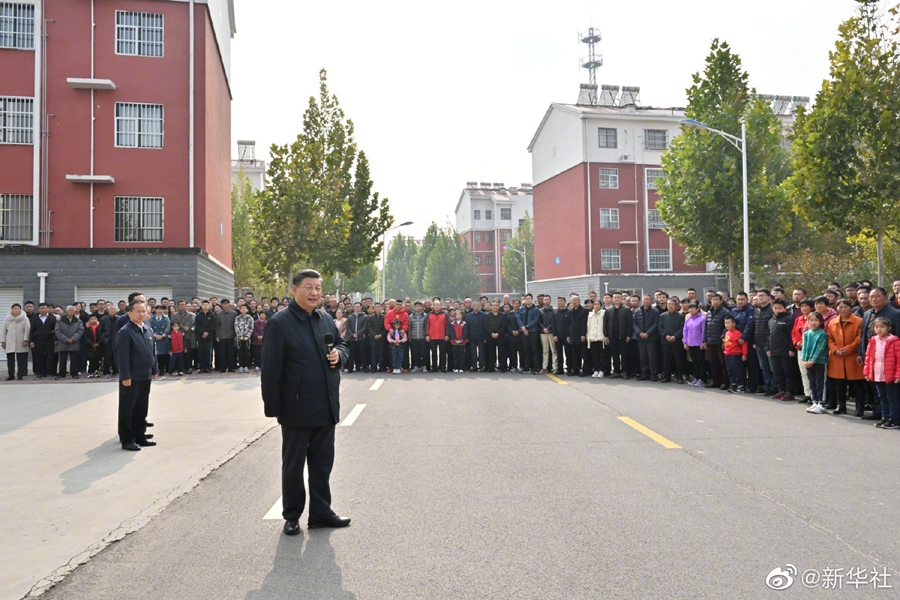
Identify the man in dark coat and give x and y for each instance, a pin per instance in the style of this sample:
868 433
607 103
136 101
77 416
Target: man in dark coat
205 332
646 331
560 333
577 335
136 359
300 381
43 336
617 323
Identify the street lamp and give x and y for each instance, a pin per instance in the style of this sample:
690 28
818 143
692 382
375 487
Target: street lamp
524 263
383 261
741 144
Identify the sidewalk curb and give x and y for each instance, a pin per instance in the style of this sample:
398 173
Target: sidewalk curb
138 521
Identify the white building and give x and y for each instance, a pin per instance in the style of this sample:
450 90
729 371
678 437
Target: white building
487 215
255 170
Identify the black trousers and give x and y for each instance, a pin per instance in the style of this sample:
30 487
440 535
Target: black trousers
647 349
616 349
204 353
257 354
314 448
244 353
563 355
419 353
476 354
74 362
491 348
176 362
841 386
438 349
783 373
697 361
134 402
718 371
162 362
631 362
578 350
513 353
12 358
109 360
532 351
673 360
597 357
226 359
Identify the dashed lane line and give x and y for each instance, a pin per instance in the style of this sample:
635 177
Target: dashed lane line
349 419
376 385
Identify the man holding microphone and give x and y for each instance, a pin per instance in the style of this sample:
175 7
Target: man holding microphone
302 354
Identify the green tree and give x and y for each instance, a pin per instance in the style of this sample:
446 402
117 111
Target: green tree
701 195
363 282
847 148
432 235
450 270
244 254
512 261
400 268
305 214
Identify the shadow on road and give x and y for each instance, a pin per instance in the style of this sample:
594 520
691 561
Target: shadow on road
103 461
311 570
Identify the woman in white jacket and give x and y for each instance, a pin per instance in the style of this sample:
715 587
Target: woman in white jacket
14 339
595 339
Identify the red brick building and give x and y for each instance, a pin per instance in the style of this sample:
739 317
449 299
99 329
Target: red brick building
115 131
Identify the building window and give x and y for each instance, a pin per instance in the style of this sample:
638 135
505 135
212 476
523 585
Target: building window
16 214
504 237
506 214
521 222
477 237
652 176
660 260
609 179
139 34
489 259
139 219
654 221
609 137
656 139
609 218
610 260
477 260
489 283
476 215
488 215
139 125
489 237
17 26
16 120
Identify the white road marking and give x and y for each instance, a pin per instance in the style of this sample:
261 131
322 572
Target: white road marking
376 385
348 421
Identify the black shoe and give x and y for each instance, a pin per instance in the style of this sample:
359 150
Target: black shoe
585 374
760 392
724 386
292 527
831 406
680 381
145 443
840 411
890 425
188 371
131 446
710 385
149 436
871 417
149 424
19 378
10 378
333 521
626 377
881 423
616 376
643 378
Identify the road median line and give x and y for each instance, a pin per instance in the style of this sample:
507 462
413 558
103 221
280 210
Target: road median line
650 433
556 379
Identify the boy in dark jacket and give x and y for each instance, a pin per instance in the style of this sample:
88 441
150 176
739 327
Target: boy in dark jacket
781 349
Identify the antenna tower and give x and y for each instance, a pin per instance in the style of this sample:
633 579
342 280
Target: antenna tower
594 59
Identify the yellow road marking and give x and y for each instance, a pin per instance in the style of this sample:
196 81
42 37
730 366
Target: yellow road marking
556 379
650 434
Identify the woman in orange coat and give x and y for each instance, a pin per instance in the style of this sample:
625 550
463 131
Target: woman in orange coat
843 370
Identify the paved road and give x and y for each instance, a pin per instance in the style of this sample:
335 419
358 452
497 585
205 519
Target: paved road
512 486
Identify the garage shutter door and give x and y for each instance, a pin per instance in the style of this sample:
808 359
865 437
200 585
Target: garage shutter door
8 297
114 294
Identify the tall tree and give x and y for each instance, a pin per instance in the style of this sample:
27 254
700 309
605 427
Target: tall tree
244 255
847 148
399 267
523 240
363 282
701 195
369 218
428 243
313 204
450 270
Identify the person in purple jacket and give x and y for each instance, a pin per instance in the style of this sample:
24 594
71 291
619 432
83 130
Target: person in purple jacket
694 330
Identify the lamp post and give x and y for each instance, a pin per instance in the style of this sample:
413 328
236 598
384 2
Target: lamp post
741 144
383 258
524 263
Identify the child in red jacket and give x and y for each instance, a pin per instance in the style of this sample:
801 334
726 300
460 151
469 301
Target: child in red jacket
735 356
883 368
459 337
176 350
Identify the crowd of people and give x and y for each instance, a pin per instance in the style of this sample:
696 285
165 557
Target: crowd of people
819 350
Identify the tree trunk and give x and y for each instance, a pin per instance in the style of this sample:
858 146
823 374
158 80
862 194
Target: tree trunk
880 245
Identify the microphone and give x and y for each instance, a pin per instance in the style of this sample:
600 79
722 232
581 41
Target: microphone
329 342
